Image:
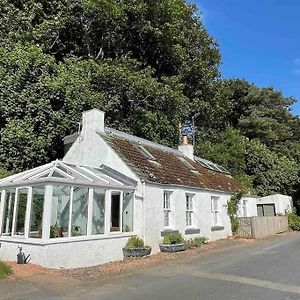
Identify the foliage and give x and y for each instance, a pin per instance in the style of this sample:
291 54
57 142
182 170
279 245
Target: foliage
197 242
272 173
294 222
135 242
232 209
4 270
150 65
3 173
173 238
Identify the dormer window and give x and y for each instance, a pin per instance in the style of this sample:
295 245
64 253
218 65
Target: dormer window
146 153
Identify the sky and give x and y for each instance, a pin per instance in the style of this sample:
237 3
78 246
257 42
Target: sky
259 41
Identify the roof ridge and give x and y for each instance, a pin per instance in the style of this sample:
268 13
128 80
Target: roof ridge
139 140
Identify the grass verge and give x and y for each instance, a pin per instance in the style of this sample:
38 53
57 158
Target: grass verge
4 270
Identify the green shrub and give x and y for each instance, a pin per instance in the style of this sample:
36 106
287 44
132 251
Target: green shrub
197 242
4 270
232 209
294 222
134 242
173 238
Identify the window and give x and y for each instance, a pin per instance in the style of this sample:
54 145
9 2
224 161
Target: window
167 208
36 215
60 211
267 210
215 211
187 164
79 211
146 153
8 211
19 218
115 212
189 210
127 218
98 223
245 214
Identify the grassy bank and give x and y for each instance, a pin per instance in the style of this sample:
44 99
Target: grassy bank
4 270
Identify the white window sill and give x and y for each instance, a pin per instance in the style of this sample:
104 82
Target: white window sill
34 241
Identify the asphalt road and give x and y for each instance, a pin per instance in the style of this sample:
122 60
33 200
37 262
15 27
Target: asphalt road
268 269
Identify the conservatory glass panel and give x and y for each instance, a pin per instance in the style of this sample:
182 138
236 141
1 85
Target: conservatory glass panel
80 211
8 211
127 212
98 211
21 211
36 214
60 211
115 212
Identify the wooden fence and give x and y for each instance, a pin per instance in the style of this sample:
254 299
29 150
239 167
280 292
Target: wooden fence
261 227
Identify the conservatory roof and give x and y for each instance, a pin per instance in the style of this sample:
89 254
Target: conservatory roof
66 173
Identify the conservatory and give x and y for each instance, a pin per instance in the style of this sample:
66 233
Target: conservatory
65 215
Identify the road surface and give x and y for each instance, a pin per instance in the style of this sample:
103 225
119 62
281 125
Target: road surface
268 269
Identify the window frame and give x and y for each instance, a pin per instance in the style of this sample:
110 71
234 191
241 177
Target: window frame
48 207
27 212
215 211
120 212
189 210
167 210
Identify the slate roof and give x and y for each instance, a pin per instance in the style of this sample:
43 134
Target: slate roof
168 167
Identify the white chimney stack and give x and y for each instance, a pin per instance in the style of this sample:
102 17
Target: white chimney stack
92 121
186 148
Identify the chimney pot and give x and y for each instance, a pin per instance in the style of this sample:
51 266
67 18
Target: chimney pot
186 148
185 140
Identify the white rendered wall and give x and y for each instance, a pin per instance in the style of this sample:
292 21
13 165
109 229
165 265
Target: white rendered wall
251 206
73 254
202 218
282 203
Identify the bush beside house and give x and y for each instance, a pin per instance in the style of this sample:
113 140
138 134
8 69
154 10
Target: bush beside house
197 242
294 222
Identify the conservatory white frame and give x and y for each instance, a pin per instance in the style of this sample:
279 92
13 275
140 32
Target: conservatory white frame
71 176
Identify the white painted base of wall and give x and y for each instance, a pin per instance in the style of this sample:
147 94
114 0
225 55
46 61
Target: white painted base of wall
68 255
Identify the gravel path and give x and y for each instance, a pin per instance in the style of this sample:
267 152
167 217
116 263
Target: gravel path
129 265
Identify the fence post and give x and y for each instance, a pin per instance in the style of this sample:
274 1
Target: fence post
253 233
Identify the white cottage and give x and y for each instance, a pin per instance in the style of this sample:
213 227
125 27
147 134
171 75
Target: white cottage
111 185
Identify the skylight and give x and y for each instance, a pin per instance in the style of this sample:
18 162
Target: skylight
191 168
146 153
210 165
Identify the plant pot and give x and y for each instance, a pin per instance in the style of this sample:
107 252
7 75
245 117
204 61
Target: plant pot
136 252
172 248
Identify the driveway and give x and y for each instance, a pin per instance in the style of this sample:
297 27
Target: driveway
267 269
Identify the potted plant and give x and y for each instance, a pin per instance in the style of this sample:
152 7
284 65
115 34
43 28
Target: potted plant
173 242
55 231
135 248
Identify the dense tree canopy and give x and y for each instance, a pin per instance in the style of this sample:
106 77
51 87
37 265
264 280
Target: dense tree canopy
150 65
